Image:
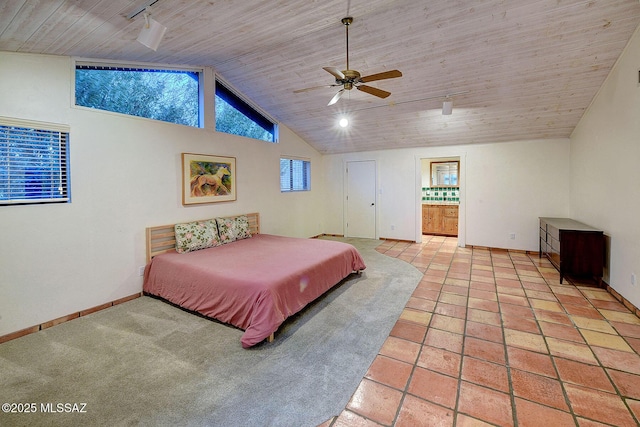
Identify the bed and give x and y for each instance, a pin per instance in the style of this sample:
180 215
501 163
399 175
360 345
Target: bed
249 280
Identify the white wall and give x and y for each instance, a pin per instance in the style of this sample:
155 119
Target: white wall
605 163
504 188
125 175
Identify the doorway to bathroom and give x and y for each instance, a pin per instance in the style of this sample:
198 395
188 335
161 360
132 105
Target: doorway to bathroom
440 196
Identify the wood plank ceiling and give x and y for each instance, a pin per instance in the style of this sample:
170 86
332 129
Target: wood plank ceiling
522 69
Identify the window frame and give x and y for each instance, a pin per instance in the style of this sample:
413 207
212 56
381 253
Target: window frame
203 111
306 171
62 158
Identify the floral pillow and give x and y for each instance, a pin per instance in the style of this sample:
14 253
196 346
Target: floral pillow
193 236
242 228
232 229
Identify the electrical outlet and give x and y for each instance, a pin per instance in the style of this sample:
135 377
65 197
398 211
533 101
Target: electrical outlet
141 270
633 279
393 227
512 236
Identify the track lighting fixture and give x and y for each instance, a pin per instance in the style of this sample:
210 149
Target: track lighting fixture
152 32
447 107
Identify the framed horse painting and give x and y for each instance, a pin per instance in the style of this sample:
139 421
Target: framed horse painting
208 179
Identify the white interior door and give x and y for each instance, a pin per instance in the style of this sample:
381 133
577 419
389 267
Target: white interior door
361 199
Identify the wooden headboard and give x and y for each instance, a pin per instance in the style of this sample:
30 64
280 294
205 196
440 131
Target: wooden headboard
162 238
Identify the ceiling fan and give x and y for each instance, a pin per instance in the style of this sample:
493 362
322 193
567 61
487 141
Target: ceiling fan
349 79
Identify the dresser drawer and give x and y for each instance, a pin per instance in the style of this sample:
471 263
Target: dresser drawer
553 232
543 235
543 225
451 211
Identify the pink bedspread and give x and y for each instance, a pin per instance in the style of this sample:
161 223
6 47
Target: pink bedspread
255 283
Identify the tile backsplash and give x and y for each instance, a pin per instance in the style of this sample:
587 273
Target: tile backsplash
436 195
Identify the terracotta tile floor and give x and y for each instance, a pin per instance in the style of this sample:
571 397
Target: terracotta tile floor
490 337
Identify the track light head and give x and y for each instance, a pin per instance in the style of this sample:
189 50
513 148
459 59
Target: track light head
152 32
447 108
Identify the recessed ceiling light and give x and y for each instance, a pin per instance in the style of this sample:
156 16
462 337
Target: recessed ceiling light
344 122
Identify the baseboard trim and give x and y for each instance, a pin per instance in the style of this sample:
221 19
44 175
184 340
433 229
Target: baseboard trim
59 320
389 239
623 300
489 248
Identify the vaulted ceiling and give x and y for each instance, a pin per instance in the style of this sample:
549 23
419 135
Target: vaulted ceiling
516 69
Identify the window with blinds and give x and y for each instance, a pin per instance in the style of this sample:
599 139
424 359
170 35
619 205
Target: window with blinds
295 175
34 162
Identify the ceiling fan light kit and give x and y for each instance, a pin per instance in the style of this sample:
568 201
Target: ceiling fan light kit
350 79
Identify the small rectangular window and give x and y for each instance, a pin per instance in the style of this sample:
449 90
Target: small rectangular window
236 116
160 94
295 175
33 162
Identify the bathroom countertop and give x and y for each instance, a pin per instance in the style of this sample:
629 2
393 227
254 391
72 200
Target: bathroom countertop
440 203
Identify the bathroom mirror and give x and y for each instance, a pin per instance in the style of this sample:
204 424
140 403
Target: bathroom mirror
445 174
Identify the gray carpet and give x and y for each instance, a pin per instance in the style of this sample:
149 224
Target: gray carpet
146 362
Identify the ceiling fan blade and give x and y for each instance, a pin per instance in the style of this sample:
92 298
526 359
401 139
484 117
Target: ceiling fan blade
336 97
336 73
381 76
307 89
374 91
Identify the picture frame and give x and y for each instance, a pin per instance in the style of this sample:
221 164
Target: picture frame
208 178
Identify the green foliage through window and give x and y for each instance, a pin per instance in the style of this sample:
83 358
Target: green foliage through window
167 95
237 117
170 95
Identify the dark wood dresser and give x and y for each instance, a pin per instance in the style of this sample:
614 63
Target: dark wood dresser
574 248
